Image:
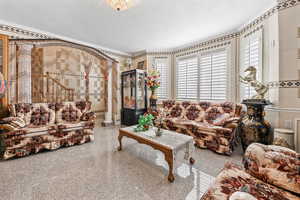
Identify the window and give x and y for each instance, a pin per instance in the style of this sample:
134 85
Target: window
251 56
213 76
161 65
203 80
187 78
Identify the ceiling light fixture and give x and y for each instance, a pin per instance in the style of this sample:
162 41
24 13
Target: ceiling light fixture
120 5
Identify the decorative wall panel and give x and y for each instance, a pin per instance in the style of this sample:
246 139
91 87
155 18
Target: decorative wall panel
79 70
37 84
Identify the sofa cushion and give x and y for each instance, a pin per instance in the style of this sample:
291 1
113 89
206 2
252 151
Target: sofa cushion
242 196
23 110
194 112
42 114
200 127
83 106
276 165
229 108
38 130
67 112
167 105
75 126
177 111
215 115
233 179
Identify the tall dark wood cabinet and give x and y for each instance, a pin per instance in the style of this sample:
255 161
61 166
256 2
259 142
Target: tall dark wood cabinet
134 96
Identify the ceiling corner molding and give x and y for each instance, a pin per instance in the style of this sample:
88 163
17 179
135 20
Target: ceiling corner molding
19 33
208 43
205 48
280 6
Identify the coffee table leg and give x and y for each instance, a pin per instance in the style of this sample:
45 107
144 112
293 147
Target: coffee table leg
120 142
189 152
169 159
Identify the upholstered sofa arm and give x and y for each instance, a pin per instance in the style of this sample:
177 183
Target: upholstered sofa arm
276 165
231 122
12 123
88 116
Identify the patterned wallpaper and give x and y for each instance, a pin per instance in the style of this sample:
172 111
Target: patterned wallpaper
67 65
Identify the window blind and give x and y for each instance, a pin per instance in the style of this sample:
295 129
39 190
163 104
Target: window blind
161 65
187 78
251 58
213 76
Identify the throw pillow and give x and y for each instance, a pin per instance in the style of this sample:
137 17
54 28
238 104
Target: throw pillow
242 196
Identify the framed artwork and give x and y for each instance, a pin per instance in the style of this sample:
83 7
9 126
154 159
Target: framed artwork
141 65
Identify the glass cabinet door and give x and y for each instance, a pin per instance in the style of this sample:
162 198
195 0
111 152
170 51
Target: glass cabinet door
4 74
141 90
129 84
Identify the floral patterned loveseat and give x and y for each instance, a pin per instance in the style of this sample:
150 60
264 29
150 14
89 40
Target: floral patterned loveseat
270 173
213 125
45 126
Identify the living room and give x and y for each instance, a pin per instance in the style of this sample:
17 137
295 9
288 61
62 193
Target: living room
139 99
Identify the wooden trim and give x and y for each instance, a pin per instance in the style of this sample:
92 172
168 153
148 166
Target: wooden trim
5 71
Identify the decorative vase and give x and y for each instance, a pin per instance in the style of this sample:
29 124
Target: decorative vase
253 127
146 127
158 132
153 100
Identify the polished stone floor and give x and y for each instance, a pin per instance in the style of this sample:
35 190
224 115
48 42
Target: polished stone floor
97 171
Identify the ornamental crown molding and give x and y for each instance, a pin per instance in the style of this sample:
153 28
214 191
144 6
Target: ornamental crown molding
23 32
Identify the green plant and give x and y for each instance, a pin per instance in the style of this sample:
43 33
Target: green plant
145 121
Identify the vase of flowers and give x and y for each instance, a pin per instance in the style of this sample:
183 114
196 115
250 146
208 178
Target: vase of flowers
153 82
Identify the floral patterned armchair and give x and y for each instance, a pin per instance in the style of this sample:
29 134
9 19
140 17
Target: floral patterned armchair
213 125
270 173
34 127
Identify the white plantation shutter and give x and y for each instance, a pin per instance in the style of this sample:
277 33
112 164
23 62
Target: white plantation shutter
251 56
187 78
213 76
161 64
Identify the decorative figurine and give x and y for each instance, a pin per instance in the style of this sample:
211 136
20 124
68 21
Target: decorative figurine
253 127
250 79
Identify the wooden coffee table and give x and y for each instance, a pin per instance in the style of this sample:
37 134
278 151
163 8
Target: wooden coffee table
169 144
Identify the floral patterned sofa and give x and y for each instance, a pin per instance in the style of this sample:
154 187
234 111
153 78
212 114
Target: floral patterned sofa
213 125
270 173
45 126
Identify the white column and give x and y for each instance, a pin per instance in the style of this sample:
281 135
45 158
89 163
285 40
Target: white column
24 73
108 115
12 80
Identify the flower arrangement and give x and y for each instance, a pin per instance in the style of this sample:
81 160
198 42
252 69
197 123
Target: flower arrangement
152 80
145 121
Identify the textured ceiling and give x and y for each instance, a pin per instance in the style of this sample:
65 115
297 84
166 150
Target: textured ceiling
150 24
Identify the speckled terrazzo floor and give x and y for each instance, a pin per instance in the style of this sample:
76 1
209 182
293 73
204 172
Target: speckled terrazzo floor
97 171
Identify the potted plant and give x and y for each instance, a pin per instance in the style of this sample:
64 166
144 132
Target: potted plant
145 121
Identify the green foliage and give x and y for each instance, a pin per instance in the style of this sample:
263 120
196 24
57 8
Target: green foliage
144 122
